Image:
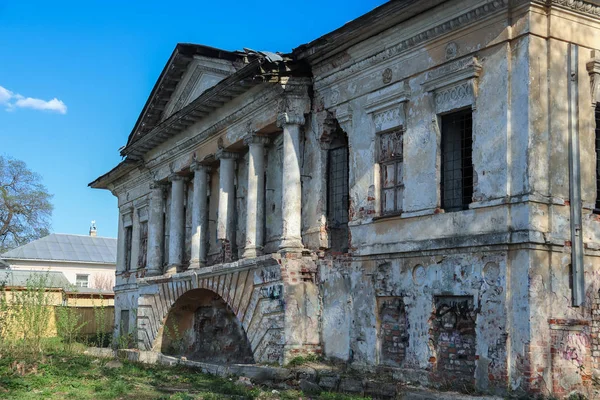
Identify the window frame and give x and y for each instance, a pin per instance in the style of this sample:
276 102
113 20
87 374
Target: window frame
87 280
395 160
443 154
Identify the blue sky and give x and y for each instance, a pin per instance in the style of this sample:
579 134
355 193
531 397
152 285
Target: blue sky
74 76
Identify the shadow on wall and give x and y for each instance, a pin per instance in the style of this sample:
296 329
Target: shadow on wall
202 327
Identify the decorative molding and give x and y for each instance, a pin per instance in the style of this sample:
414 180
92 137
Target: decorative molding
453 93
228 155
578 6
127 216
200 166
343 114
253 138
143 213
451 50
290 118
387 105
405 45
176 177
192 82
453 85
259 101
386 76
448 74
593 68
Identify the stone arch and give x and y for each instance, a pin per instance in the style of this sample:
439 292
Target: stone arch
251 289
201 326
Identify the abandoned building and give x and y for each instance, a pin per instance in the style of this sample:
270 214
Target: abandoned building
416 193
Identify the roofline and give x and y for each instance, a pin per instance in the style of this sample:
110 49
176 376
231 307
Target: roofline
181 50
81 235
367 25
65 261
120 170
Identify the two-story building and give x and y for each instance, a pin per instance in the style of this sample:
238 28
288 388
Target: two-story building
415 193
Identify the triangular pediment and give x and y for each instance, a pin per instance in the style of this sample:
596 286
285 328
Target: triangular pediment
202 74
191 70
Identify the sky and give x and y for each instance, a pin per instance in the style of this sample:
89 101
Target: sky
74 76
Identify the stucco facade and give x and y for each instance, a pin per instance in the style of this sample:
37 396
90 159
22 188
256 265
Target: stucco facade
318 199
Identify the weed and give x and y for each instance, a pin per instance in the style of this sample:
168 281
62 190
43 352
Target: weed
300 360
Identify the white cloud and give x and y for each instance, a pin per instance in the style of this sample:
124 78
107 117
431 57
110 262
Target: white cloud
14 100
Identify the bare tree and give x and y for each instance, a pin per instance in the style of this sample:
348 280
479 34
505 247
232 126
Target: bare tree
25 208
103 281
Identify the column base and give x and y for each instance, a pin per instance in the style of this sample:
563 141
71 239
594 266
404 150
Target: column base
172 269
196 264
252 252
291 245
153 272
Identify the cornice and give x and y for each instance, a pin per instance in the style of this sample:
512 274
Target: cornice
259 101
466 19
579 6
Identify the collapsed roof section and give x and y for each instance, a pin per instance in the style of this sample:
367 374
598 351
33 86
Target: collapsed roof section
251 68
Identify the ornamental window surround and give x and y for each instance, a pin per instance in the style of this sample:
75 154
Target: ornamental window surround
453 91
387 108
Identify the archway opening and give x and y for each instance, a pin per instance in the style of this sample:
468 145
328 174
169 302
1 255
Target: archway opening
202 327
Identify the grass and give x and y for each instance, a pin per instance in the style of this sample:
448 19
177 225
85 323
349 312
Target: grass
60 375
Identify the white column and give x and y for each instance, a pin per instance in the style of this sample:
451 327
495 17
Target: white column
176 228
255 198
226 208
291 187
199 215
156 229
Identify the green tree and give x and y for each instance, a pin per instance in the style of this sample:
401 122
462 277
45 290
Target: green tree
25 208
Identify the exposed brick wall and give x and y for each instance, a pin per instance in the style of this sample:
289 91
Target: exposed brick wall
454 339
393 330
219 335
595 331
571 356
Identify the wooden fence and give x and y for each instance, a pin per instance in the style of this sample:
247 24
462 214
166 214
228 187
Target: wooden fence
93 318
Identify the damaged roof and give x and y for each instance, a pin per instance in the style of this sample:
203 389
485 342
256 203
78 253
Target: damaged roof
256 68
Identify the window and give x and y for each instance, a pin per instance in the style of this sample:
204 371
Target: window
597 210
457 163
337 196
128 237
81 280
143 244
390 161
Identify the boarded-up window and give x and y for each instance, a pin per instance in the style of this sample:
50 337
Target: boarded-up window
453 329
391 163
143 245
393 331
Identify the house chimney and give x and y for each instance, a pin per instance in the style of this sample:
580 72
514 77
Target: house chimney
93 229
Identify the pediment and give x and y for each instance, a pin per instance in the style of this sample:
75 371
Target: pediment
202 74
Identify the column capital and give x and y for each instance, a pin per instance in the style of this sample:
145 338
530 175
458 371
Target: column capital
199 166
290 118
176 177
253 138
156 185
224 154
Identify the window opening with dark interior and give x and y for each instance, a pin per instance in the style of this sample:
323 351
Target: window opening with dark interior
457 161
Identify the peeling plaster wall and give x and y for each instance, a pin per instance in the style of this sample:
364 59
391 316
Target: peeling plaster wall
351 293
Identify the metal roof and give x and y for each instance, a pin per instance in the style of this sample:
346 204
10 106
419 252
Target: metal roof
71 248
18 278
